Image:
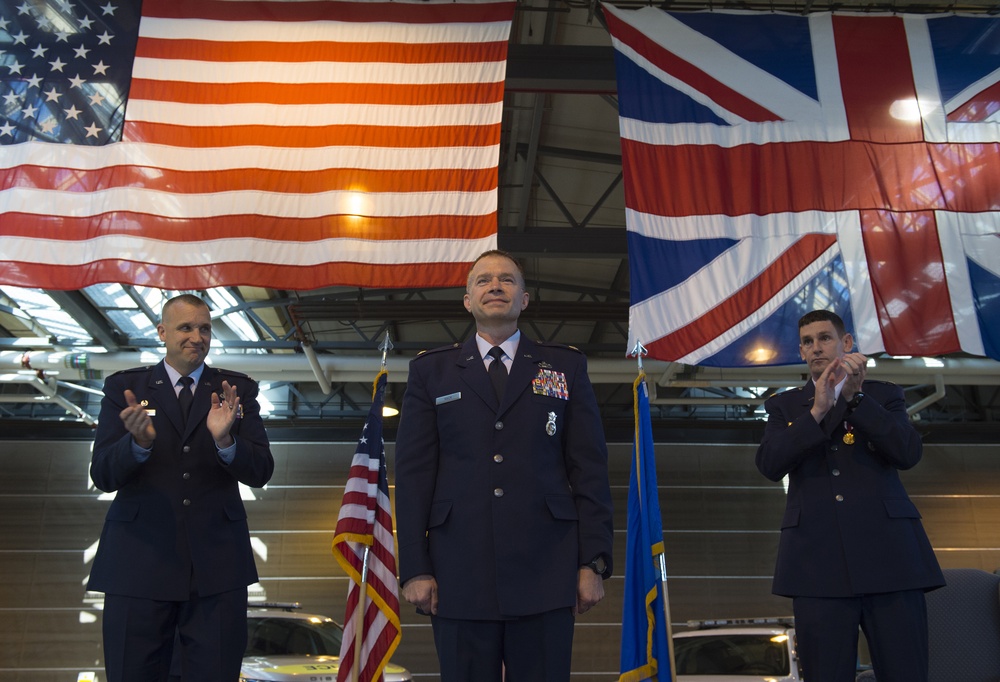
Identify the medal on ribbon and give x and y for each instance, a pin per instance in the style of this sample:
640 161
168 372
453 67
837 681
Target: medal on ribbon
849 436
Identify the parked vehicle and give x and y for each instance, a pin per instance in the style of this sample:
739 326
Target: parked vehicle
744 650
286 645
737 650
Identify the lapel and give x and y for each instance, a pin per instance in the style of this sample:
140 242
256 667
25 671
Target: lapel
166 396
473 371
202 400
522 372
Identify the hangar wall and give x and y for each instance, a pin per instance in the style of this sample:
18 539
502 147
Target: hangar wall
720 521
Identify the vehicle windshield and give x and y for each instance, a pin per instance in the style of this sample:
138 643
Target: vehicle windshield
731 655
268 636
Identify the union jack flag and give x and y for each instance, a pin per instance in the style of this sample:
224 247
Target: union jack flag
371 623
776 164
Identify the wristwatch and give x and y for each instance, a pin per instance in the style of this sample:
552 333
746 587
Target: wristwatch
855 401
598 565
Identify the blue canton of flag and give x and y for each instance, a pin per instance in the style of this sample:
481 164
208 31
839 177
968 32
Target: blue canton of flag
646 652
65 69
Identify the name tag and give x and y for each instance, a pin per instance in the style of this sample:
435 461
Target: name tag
451 397
151 411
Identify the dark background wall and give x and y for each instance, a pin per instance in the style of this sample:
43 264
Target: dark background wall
720 521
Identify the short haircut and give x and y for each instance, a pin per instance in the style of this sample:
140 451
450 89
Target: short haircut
494 252
824 316
189 299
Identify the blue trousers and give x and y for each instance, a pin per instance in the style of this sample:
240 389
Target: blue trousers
139 637
894 623
534 648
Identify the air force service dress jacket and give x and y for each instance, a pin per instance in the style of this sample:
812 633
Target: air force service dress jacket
501 502
849 528
178 516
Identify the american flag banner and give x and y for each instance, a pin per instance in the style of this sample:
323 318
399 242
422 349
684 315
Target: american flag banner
775 164
365 523
287 144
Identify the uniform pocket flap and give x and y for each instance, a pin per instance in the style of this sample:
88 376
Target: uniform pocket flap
791 517
562 507
439 513
898 508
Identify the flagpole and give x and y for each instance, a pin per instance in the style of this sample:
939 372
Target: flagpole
359 614
359 618
638 351
666 613
385 347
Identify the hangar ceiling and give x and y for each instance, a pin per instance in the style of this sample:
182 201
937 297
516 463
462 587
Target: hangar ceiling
561 211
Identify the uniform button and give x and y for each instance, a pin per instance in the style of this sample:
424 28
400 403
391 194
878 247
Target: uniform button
498 492
187 503
498 426
497 458
840 498
187 448
185 475
835 472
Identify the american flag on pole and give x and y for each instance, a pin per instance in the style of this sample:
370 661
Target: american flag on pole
365 523
776 164
288 144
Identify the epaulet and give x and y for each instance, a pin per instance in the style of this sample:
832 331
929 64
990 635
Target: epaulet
786 391
439 349
132 370
233 373
552 344
879 381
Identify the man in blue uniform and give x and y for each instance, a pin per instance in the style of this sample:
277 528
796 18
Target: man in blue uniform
853 552
503 504
174 441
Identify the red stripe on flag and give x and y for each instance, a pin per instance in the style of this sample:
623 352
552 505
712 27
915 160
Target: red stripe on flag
317 136
736 308
303 182
361 12
876 78
840 176
279 276
309 93
908 282
247 227
687 73
985 104
312 51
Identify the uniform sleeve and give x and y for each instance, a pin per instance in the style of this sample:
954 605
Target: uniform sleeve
586 455
786 441
252 463
113 463
882 418
416 469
